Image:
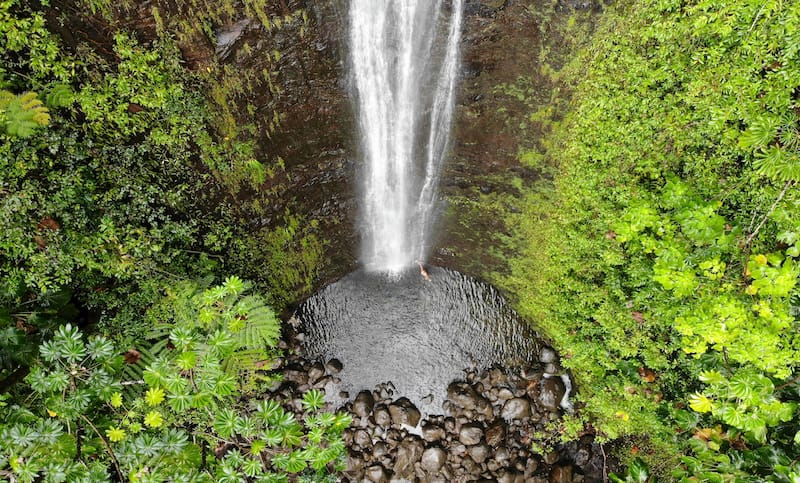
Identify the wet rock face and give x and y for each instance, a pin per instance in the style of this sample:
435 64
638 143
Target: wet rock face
502 84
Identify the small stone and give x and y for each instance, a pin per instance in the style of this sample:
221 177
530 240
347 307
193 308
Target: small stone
531 373
377 473
530 467
458 449
504 394
470 466
561 474
409 452
496 377
496 433
464 396
553 368
382 416
385 390
582 457
547 355
479 453
551 391
516 408
393 437
432 432
298 376
355 464
315 372
502 457
403 411
510 477
362 439
363 404
551 457
379 450
334 366
470 434
433 459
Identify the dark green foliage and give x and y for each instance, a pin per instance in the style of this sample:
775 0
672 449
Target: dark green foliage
113 200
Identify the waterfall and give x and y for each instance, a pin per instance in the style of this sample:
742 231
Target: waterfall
404 61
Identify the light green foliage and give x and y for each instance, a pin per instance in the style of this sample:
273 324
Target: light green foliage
158 432
668 241
21 114
223 323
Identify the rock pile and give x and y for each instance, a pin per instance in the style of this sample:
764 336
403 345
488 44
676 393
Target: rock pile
485 433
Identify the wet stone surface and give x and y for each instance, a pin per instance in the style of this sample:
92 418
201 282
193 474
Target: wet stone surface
480 434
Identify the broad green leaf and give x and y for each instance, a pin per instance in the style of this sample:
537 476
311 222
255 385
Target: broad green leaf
700 403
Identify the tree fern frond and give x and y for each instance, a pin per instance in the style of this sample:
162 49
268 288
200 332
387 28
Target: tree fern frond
262 328
22 114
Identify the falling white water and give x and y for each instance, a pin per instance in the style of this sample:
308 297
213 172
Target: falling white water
404 58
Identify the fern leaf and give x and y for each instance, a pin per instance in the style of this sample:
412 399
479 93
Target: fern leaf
22 114
60 95
262 328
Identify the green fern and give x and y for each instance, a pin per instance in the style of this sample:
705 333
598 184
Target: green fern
60 96
246 322
22 114
262 327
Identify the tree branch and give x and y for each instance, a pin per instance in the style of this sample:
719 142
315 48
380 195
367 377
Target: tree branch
771 209
108 447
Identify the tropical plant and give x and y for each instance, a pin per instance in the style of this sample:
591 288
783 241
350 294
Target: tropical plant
85 422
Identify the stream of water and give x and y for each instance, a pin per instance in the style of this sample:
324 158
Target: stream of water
404 63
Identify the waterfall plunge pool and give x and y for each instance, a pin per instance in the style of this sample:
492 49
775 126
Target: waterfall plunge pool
417 334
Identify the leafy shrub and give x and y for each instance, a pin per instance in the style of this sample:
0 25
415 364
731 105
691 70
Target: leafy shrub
663 261
85 422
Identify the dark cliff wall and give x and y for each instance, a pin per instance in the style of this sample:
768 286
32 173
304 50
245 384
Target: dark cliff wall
277 76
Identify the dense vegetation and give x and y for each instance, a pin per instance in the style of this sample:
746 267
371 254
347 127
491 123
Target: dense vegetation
659 251
663 257
117 181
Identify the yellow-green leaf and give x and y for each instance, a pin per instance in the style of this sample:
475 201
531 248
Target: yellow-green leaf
153 419
116 400
115 434
154 396
700 403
